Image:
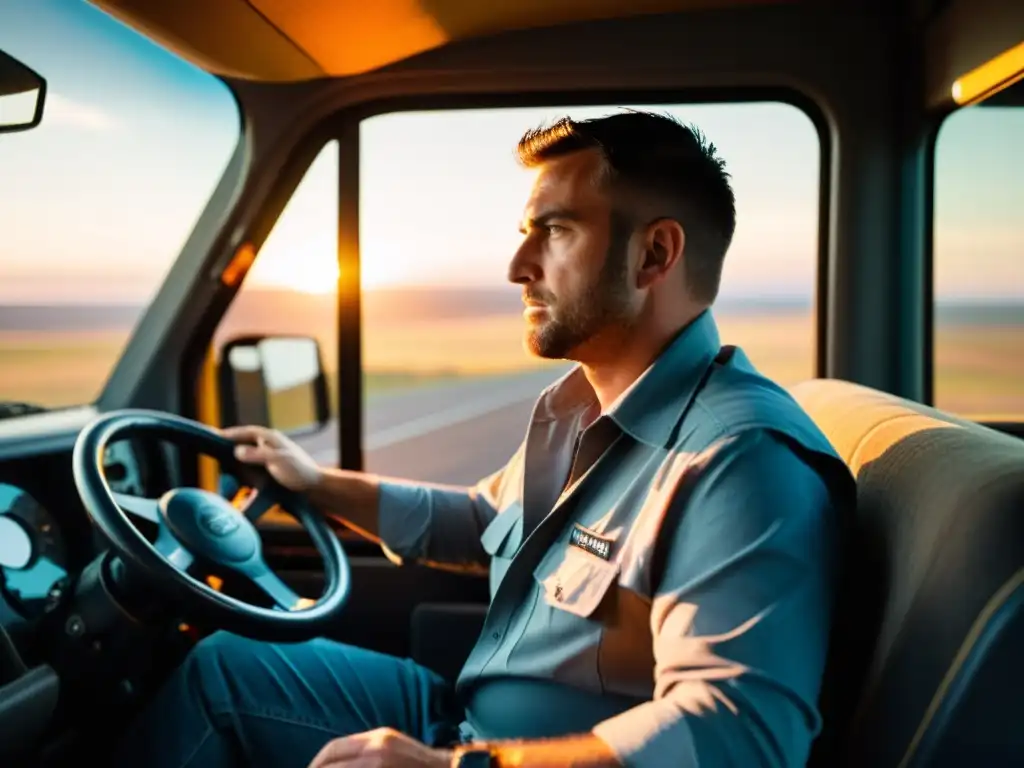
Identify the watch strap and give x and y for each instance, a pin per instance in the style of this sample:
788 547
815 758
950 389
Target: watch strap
475 756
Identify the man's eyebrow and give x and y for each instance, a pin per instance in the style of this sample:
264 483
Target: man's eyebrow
545 218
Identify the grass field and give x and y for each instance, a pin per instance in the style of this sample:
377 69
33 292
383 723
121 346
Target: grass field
980 368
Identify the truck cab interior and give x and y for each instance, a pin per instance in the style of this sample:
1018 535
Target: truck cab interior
297 213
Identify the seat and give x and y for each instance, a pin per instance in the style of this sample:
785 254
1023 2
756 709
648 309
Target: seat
926 666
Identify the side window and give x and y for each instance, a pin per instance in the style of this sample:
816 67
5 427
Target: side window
978 263
292 286
449 389
97 201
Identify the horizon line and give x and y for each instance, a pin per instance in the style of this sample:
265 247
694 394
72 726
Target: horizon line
770 298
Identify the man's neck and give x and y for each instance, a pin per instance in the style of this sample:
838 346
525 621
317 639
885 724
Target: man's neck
624 360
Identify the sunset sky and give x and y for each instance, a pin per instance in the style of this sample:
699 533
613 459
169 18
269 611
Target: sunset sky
96 203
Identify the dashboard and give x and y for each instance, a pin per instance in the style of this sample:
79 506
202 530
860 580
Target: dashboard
45 535
66 651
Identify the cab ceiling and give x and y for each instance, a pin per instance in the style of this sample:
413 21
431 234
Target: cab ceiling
288 40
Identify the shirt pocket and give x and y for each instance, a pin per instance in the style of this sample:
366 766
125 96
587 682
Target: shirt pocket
562 638
576 583
501 540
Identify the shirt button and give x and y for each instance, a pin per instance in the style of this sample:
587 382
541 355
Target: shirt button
558 593
496 636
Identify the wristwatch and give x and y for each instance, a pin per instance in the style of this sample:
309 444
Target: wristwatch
474 756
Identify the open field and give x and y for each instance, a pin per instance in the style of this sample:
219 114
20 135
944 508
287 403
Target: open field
980 370
56 368
980 366
67 368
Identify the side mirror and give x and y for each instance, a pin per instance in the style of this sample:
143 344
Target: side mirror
22 95
274 381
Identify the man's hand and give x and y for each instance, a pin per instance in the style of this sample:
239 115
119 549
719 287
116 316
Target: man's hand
382 748
286 462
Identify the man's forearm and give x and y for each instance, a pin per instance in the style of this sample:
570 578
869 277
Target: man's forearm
354 497
582 751
431 524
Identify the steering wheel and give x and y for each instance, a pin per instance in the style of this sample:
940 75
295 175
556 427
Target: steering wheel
194 523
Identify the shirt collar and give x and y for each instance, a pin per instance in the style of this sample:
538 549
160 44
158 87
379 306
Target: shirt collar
650 408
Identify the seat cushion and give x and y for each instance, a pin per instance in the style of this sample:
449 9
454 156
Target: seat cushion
928 659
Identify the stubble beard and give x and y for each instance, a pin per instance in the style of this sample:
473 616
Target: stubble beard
575 321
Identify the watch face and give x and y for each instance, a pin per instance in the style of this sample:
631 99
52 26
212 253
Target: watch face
476 758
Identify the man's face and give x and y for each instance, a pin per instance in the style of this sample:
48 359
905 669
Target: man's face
573 263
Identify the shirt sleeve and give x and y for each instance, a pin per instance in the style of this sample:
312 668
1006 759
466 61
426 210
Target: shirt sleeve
440 525
740 617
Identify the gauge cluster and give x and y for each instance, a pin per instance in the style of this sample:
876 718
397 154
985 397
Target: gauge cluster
35 561
33 556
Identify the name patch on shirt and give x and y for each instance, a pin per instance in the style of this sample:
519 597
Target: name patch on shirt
590 542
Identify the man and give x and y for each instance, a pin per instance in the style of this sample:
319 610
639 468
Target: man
661 547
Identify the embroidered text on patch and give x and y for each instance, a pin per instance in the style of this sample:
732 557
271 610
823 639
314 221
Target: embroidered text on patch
590 542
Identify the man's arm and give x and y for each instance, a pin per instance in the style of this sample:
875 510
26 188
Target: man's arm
739 620
353 497
433 524
437 525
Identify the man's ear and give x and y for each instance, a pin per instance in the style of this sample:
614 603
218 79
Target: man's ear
663 244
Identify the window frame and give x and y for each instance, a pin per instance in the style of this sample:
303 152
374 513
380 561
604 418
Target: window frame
196 387
937 119
350 396
343 126
927 235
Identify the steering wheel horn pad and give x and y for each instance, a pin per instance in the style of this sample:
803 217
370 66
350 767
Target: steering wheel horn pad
207 525
193 522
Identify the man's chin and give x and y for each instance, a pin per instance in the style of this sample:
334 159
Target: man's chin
537 346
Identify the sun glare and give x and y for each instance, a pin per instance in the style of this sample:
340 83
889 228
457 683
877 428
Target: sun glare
313 269
313 273
316 281
381 270
301 251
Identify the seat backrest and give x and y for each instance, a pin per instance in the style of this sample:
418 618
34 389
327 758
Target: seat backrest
927 663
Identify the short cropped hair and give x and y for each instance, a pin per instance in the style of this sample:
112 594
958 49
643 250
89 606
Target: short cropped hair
664 160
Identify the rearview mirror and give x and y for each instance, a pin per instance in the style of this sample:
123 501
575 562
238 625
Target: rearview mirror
22 95
274 381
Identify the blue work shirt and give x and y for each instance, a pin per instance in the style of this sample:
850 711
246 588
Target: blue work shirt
665 581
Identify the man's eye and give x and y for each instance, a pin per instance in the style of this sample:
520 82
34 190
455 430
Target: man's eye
555 229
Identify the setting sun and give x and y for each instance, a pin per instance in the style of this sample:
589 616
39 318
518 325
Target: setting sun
312 269
301 252
318 279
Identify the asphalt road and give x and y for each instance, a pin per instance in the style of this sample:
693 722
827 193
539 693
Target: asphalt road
452 433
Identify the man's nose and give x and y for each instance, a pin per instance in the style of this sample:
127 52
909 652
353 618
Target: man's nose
525 266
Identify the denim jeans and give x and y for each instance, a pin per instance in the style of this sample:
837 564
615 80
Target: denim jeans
236 701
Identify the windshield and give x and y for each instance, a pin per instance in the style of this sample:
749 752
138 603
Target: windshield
96 202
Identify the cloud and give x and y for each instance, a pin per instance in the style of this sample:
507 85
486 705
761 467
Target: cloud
61 110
